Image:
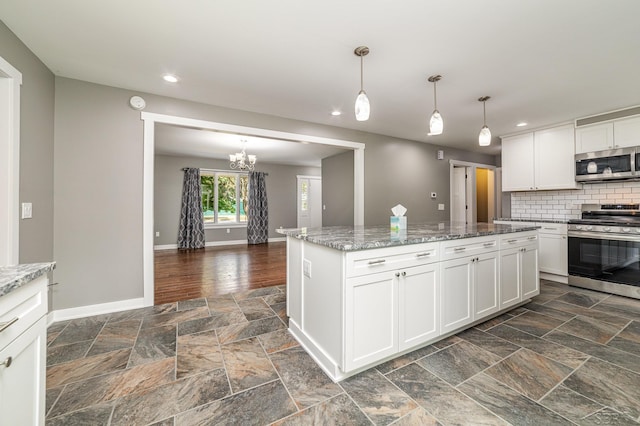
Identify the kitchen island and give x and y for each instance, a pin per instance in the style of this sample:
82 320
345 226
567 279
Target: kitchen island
360 296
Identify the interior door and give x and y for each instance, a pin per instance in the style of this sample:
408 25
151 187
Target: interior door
459 199
309 196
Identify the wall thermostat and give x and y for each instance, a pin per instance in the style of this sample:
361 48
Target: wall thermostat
137 103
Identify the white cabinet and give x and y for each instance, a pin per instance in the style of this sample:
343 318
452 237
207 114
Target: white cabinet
23 354
519 276
621 133
389 312
553 249
541 160
469 284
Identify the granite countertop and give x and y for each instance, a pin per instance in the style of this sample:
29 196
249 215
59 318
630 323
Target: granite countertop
525 219
352 238
13 277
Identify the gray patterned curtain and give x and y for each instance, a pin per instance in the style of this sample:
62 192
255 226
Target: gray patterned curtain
191 234
258 212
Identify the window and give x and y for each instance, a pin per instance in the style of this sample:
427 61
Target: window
224 197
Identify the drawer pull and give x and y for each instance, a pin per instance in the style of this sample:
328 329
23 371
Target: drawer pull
5 325
459 249
429 253
377 262
532 238
491 244
7 362
512 241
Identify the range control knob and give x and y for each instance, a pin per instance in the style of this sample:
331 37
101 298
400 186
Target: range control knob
607 229
626 229
589 228
579 227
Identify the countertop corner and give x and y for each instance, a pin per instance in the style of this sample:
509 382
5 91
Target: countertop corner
15 276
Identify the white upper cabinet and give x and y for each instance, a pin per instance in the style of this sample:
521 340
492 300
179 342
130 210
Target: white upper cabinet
541 160
622 133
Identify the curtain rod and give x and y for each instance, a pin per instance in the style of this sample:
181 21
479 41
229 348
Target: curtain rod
219 170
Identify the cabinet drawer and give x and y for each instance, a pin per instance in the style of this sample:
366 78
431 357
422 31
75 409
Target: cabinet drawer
552 228
387 259
518 239
468 247
21 308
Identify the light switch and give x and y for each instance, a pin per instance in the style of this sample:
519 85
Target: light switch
306 268
27 210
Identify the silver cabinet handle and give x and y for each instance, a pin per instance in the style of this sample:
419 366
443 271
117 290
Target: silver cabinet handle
397 274
491 244
7 362
429 253
532 238
404 274
5 325
512 241
377 262
459 249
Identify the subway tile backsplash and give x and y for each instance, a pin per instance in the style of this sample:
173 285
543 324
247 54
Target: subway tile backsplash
565 205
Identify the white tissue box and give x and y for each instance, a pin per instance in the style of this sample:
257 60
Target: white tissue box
398 223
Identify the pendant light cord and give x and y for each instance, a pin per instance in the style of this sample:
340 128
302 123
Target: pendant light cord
361 74
484 111
435 98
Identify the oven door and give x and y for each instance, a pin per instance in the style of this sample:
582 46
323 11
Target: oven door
605 257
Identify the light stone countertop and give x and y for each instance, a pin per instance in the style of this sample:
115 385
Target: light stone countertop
528 219
13 277
352 238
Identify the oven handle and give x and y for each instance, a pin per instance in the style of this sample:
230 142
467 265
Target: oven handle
599 236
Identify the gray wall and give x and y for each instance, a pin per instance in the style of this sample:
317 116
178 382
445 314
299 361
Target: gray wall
36 147
281 192
337 190
98 182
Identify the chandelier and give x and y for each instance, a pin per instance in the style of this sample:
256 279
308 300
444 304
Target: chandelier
242 161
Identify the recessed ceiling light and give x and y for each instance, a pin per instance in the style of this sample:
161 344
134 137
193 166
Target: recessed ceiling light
170 78
336 113
521 124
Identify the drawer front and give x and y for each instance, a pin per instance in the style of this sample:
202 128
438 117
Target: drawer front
552 228
389 259
513 222
21 308
463 247
518 239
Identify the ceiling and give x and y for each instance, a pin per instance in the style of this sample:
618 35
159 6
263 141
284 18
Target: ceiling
541 61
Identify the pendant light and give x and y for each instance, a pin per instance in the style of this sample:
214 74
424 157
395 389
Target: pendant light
436 124
362 106
484 139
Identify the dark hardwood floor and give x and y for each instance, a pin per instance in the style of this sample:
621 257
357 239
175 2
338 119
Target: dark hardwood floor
212 271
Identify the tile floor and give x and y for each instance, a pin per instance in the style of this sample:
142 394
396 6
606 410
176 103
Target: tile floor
571 356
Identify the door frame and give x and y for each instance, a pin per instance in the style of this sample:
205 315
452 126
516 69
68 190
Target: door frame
471 186
150 119
10 82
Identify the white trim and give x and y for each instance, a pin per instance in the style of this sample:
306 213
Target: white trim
471 181
150 119
218 243
11 80
308 177
91 310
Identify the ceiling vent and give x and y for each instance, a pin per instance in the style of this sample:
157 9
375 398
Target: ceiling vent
621 113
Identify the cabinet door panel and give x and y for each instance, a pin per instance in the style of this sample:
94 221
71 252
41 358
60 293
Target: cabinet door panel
486 285
22 383
371 320
530 273
626 132
553 254
456 294
418 311
597 137
554 158
510 277
517 163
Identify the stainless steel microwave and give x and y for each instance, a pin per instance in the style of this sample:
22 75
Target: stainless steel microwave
606 165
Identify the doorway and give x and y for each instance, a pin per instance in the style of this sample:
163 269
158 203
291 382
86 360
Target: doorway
309 202
150 120
472 192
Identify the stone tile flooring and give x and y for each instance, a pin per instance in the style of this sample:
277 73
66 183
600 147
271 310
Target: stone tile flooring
571 356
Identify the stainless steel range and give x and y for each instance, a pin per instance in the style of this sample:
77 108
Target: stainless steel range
604 249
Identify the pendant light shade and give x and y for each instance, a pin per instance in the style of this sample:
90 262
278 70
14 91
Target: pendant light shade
484 139
436 124
362 107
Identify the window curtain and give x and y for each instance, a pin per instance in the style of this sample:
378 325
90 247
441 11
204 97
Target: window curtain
258 212
191 233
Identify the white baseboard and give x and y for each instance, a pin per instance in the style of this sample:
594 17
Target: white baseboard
90 310
218 243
